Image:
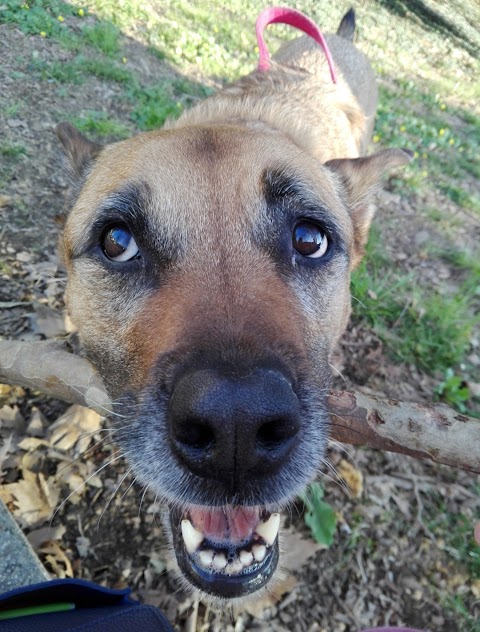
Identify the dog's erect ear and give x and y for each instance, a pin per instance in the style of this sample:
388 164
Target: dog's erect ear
79 151
360 178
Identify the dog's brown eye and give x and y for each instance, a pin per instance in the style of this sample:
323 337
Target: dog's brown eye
119 244
309 240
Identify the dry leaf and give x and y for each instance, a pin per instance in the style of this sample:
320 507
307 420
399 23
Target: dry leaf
34 499
296 551
281 588
57 559
32 443
5 448
75 428
37 537
352 476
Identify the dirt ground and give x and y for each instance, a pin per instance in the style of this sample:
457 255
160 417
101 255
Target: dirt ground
392 562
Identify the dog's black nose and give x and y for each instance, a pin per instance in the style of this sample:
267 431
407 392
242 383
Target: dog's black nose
225 427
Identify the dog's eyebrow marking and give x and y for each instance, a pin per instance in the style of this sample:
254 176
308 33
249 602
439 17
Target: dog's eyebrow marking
131 205
283 188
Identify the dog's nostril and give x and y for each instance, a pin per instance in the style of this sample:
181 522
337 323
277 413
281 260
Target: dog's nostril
196 434
272 433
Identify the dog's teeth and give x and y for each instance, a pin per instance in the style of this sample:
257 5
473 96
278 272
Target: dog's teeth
219 561
191 536
268 530
259 551
234 568
246 558
205 557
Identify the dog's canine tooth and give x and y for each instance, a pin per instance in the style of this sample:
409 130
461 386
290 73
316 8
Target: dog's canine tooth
191 536
259 551
206 557
268 530
219 561
246 557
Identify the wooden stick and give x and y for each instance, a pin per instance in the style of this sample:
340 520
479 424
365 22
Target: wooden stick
433 431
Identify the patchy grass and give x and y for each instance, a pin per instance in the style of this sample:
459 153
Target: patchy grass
100 124
12 151
453 532
103 36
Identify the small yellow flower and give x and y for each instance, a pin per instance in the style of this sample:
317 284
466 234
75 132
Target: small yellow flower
215 29
451 141
424 174
81 13
61 18
124 60
416 154
376 138
402 128
43 34
441 132
443 106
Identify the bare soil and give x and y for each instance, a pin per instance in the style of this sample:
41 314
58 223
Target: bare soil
389 565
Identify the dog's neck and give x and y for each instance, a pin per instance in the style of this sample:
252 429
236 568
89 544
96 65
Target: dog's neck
292 102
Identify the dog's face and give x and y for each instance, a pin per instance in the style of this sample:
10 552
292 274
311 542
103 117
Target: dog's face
209 274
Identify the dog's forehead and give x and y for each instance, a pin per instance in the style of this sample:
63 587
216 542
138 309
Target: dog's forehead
194 172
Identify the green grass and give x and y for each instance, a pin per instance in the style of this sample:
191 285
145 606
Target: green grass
99 124
103 36
444 154
12 151
455 531
418 325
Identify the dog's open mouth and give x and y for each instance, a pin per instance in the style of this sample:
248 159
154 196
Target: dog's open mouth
226 551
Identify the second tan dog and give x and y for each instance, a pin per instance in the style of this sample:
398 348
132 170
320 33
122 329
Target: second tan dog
209 268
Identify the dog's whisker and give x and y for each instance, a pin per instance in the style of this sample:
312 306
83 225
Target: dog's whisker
109 462
112 496
338 372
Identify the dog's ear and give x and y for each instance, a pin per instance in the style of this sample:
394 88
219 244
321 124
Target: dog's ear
78 157
79 151
360 178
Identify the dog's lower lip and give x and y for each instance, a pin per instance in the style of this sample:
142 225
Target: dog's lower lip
226 569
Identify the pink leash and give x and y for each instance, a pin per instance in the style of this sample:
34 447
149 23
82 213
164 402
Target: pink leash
284 15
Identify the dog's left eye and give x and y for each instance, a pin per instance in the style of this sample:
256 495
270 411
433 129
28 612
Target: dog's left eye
309 240
119 245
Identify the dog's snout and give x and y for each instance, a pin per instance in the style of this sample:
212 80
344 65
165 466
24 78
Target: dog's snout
225 426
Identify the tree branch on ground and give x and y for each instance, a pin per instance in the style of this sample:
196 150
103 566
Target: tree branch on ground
432 431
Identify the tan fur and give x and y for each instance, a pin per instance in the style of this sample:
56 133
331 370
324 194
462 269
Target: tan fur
215 277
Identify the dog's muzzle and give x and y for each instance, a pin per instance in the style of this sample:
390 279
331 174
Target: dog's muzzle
234 430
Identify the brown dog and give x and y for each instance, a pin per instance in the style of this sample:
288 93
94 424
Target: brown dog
209 267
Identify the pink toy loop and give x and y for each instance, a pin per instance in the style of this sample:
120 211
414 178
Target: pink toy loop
284 15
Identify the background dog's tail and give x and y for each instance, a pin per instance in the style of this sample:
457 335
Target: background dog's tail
347 26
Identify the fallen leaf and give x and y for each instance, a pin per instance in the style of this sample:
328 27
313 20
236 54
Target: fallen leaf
57 559
282 587
296 551
32 443
34 499
37 537
5 448
75 428
5 200
352 476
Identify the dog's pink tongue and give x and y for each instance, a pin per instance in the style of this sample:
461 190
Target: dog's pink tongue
225 524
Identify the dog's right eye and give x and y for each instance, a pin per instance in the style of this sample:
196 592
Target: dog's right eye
119 245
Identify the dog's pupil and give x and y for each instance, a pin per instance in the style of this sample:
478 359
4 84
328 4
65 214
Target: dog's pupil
307 238
116 242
